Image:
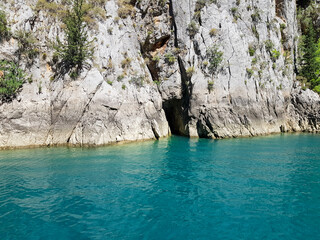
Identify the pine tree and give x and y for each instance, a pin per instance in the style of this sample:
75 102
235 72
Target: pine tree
309 47
76 49
315 82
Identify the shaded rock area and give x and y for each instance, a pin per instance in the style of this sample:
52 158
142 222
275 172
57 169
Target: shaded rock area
150 75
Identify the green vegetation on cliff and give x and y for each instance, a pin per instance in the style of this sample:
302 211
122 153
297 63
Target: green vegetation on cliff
76 49
93 9
11 80
4 31
309 47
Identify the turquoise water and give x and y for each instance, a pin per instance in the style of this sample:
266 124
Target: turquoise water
177 188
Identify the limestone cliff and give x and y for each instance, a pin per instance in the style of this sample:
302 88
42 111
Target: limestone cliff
152 75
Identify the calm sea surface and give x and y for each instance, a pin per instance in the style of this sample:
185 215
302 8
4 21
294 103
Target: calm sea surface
176 188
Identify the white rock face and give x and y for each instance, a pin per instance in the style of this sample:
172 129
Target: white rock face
150 72
96 108
238 104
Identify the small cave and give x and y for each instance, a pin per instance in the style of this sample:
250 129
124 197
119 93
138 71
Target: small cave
150 49
279 8
303 3
152 45
177 109
175 117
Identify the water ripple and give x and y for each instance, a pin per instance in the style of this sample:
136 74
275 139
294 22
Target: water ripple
177 188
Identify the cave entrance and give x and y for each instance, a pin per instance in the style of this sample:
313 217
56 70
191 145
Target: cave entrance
303 3
175 117
279 8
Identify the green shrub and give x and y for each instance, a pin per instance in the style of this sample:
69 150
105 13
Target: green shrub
275 54
234 10
76 49
283 26
254 61
92 8
317 89
126 62
52 8
210 85
197 15
190 71
268 45
11 80
4 31
109 82
255 31
125 8
120 77
192 29
156 58
215 58
169 58
235 13
137 80
250 72
252 50
161 3
256 16
199 5
27 43
213 32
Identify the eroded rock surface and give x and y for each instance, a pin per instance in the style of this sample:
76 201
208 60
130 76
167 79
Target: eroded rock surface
150 75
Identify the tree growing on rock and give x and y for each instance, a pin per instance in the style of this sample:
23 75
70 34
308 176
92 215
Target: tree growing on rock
315 81
309 48
11 80
76 48
215 58
4 31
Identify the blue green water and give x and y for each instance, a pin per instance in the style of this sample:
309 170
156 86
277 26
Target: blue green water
176 188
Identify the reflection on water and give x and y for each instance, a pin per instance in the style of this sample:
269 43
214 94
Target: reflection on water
177 188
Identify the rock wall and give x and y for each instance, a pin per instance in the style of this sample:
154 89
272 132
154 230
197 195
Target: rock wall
151 75
250 93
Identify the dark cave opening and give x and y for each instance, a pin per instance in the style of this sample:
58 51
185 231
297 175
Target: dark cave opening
303 3
279 8
174 114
